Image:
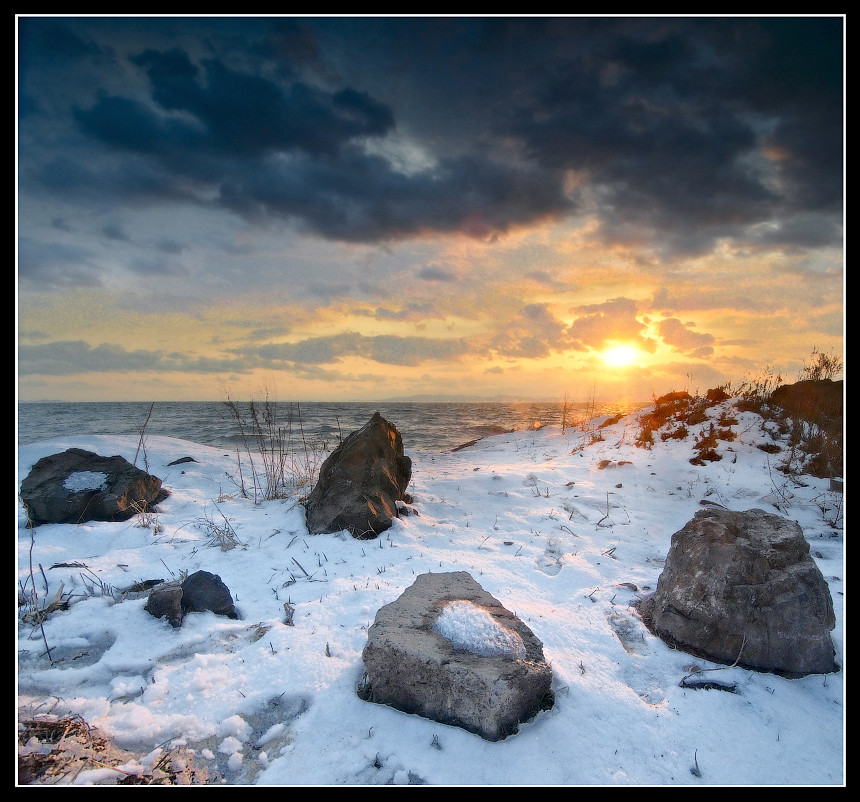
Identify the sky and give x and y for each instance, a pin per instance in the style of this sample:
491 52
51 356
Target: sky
387 207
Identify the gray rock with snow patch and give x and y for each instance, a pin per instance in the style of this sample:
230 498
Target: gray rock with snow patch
448 651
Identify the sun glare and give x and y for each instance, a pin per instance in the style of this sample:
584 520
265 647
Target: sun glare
620 355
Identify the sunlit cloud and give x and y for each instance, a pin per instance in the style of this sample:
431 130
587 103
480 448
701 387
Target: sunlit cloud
596 325
532 333
679 335
385 349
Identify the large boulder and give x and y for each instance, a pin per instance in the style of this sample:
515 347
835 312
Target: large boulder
77 485
361 482
741 586
447 650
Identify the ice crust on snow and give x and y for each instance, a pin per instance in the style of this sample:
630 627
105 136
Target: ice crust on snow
472 628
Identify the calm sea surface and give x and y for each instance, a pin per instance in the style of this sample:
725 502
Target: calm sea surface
426 426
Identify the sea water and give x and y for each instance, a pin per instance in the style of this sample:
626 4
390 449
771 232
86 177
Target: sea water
424 426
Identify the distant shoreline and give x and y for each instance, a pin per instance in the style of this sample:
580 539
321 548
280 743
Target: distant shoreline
416 399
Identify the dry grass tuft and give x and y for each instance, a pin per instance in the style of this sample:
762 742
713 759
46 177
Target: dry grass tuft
281 460
60 750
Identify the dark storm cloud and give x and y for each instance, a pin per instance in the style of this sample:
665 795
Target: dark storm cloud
804 231
103 183
244 114
680 132
696 128
290 151
51 40
52 36
59 266
360 197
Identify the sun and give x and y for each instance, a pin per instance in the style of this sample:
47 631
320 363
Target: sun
620 355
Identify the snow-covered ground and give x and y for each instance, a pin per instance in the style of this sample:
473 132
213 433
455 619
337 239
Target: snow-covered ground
564 529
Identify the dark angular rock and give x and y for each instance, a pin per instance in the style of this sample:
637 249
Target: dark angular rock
361 482
741 586
165 601
77 486
447 650
203 591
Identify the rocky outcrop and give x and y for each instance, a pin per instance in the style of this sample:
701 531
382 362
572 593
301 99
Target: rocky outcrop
77 486
816 400
447 650
742 586
199 592
361 482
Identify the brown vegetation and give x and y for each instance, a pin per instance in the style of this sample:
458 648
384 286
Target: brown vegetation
808 415
57 750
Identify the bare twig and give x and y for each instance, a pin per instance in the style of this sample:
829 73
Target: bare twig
718 668
300 567
696 771
140 442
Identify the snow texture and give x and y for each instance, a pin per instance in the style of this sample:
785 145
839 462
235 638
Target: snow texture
470 627
566 545
85 480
